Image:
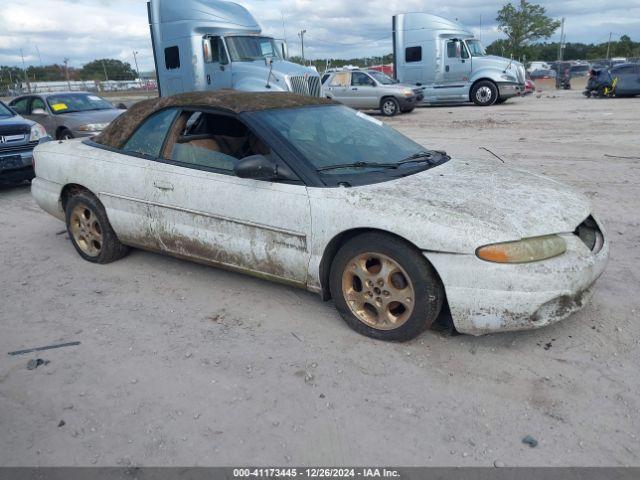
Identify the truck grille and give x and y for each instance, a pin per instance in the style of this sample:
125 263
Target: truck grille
9 130
17 147
308 86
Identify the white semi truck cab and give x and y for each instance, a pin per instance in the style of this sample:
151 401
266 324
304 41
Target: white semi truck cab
450 63
212 44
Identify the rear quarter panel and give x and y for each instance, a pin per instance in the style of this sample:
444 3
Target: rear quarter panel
98 170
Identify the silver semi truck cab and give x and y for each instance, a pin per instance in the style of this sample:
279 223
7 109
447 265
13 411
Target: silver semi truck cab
452 65
212 44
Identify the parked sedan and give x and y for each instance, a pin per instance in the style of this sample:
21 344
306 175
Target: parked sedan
311 193
67 115
18 138
371 90
543 74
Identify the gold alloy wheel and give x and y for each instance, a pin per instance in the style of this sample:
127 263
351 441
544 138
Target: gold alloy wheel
86 230
378 291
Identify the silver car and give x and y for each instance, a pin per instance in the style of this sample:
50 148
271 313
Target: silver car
371 90
68 114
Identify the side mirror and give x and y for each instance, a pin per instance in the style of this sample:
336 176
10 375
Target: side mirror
121 106
259 167
38 111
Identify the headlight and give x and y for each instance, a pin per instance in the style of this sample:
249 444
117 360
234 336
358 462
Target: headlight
510 78
523 251
408 92
37 132
93 127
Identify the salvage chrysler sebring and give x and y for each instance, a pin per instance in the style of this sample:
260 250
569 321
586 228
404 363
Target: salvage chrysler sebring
311 193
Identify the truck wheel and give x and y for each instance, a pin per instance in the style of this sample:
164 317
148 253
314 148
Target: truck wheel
484 93
384 288
90 231
389 107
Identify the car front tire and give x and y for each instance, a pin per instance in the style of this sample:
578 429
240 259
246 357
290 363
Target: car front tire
389 107
384 288
484 93
65 134
90 231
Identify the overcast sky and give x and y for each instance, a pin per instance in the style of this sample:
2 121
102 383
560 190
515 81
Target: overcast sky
83 30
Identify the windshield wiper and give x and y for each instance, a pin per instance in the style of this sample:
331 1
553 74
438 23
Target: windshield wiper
358 165
426 157
418 157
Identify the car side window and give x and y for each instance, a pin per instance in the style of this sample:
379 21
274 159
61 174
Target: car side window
212 142
37 103
150 135
360 79
341 79
20 106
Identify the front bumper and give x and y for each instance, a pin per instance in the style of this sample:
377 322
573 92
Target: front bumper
408 103
489 297
16 173
510 89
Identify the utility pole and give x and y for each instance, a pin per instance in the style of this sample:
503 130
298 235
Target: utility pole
104 67
560 56
24 68
480 28
301 35
135 59
609 45
41 66
66 72
284 30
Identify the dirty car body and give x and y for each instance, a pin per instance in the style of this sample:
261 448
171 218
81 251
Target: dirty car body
168 183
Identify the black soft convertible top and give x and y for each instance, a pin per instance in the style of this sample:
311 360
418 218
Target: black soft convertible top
119 131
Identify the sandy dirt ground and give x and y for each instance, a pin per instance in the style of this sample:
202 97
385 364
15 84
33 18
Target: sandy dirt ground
181 364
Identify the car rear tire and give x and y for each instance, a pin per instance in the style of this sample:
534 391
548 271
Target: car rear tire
484 93
384 288
389 107
65 134
90 231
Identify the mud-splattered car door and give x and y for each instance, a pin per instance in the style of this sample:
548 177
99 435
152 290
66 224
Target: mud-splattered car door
254 226
201 210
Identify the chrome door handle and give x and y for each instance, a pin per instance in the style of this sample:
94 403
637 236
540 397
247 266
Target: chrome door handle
163 186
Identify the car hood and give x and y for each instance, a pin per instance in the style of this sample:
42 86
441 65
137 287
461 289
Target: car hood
461 205
93 116
16 121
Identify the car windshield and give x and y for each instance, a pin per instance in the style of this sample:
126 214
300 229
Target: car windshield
476 48
338 141
381 77
77 102
5 111
248 49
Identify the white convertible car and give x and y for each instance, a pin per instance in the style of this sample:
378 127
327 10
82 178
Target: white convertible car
311 193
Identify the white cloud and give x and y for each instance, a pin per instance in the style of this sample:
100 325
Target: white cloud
83 30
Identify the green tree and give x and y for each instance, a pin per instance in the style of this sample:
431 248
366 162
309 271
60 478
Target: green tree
524 24
115 70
